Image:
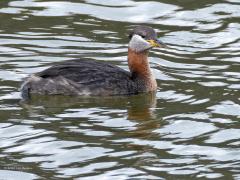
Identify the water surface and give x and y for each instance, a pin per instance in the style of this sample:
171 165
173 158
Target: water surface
189 129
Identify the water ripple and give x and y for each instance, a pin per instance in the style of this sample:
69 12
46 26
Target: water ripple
188 129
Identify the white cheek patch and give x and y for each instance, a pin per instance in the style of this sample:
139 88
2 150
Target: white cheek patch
138 44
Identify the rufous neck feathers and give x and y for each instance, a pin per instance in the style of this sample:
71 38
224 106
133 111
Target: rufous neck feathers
138 63
140 69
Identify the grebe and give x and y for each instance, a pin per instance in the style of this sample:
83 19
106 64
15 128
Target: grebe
88 77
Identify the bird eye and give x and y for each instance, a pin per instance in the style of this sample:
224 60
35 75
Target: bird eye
143 36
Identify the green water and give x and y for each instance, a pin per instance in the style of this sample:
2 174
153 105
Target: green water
189 129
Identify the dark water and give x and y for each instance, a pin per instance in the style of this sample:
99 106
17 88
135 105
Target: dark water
188 130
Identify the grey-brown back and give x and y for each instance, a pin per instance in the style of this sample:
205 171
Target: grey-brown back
81 77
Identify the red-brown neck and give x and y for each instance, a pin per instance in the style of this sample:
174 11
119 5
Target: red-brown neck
138 63
139 66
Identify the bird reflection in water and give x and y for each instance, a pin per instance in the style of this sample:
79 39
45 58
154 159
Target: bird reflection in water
139 109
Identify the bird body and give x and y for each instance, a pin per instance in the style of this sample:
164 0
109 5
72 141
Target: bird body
88 77
82 77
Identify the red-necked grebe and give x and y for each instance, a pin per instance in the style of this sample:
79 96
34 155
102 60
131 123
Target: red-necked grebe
87 77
